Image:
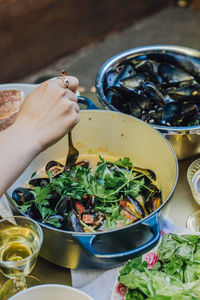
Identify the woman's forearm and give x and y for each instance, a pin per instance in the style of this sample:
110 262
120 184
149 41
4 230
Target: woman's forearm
17 151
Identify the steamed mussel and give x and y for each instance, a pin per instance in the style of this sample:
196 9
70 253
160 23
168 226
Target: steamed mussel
160 87
113 194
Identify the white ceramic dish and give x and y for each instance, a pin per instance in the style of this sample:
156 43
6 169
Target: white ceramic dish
51 292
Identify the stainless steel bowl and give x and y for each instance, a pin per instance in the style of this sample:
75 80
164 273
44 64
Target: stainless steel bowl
184 140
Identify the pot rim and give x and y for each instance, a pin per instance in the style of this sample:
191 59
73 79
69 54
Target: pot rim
142 50
135 223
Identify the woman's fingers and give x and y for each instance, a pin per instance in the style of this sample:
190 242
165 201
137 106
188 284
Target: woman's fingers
73 83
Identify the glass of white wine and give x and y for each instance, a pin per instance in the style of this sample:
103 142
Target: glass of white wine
20 241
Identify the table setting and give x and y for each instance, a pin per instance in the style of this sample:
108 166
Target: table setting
161 149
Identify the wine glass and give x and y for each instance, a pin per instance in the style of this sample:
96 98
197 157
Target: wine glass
20 241
193 177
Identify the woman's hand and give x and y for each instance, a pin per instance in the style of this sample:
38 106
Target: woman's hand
46 115
49 112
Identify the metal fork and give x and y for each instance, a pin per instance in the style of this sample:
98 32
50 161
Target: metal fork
72 155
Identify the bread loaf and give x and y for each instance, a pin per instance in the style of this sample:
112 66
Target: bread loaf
10 102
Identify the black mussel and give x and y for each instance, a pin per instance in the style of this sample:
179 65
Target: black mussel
151 90
64 206
148 68
142 101
88 201
21 195
126 70
189 93
111 77
147 172
99 219
41 182
154 201
134 207
172 76
83 163
115 96
33 213
189 113
171 114
145 67
54 168
71 223
189 64
135 110
134 82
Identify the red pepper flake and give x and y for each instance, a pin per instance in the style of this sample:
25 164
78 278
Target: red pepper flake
88 219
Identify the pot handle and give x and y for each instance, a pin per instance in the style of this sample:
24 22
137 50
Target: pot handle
86 242
87 102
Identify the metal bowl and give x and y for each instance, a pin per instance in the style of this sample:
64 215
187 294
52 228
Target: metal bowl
110 134
184 140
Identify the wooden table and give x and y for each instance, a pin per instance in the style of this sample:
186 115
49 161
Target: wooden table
178 208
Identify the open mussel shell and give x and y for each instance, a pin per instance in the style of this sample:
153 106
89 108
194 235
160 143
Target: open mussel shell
54 168
21 195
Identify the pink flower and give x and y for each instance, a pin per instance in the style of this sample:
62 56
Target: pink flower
121 289
151 258
162 233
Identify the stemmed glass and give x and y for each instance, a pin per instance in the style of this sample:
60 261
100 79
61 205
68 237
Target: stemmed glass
20 241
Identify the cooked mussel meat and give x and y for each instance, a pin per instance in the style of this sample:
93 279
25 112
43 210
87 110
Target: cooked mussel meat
54 168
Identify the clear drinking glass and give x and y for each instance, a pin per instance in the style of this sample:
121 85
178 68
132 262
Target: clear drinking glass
20 241
193 177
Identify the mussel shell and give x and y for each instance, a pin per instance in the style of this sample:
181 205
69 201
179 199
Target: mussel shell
189 113
83 163
172 76
111 77
136 81
41 182
189 93
134 207
21 195
126 70
154 202
34 213
54 167
151 91
171 113
64 206
116 97
72 223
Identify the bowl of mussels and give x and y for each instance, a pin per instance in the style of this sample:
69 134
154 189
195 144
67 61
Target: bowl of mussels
159 85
